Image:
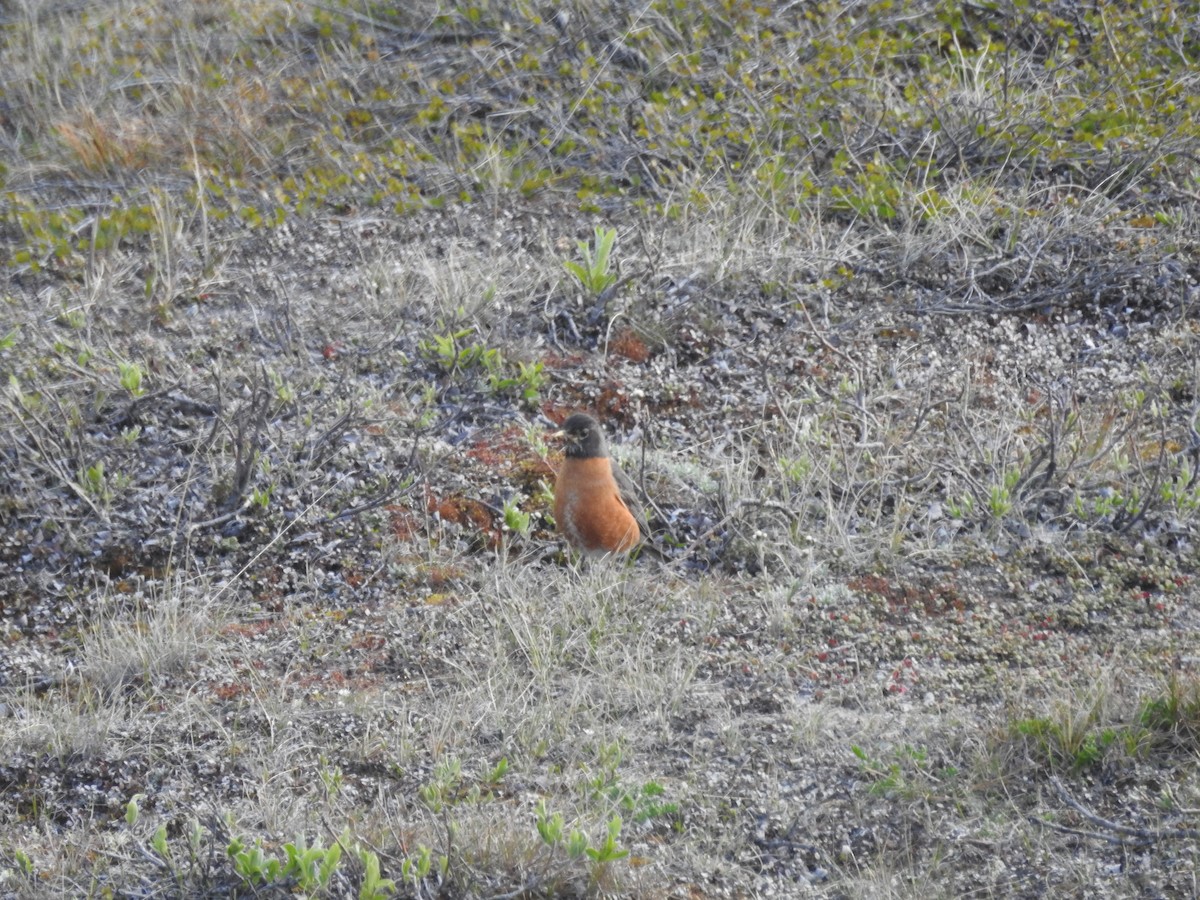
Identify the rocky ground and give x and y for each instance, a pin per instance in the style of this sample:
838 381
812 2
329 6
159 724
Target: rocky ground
900 341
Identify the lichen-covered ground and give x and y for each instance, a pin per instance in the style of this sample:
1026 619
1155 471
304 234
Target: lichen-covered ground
899 333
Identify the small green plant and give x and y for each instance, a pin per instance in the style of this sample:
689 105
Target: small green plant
545 495
252 864
443 349
132 810
161 846
1175 712
608 760
999 502
1078 741
310 868
24 862
416 869
648 803
551 828
873 191
536 438
576 844
885 778
494 776
451 353
131 378
1181 491
1116 507
74 318
284 392
442 791
796 470
446 788
331 777
526 383
426 408
159 842
1000 496
909 774
515 520
94 482
641 803
608 851
303 868
9 340
195 837
373 886
594 274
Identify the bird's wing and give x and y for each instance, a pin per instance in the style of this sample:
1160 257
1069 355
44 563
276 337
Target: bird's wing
631 497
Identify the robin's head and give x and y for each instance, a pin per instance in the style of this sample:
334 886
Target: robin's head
583 437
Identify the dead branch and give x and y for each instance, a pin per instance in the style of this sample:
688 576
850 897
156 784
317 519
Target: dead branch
1114 832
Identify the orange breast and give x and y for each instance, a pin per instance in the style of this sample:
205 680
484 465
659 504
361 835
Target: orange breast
588 509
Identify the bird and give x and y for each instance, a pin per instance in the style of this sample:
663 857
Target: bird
595 504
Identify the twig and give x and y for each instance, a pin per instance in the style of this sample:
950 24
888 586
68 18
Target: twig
820 335
376 502
791 514
1118 833
1063 829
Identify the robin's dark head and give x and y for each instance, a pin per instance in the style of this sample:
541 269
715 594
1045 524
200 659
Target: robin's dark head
584 439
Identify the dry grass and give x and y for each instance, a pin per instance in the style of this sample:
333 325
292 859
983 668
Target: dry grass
902 347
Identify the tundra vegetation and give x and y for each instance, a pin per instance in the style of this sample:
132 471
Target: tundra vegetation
891 309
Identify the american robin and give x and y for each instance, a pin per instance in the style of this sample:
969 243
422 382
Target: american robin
595 503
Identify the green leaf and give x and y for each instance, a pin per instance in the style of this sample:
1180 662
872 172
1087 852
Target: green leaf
332 857
159 841
131 808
